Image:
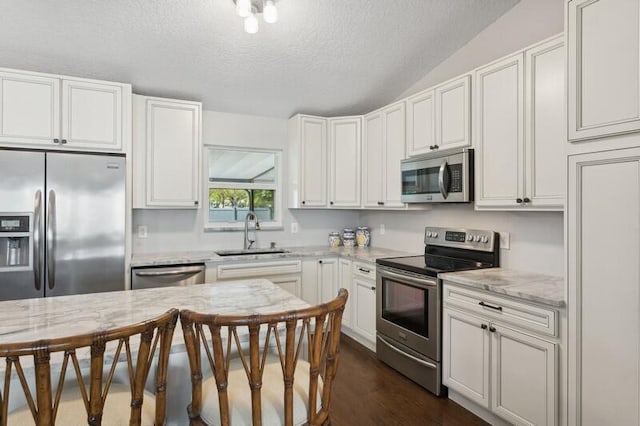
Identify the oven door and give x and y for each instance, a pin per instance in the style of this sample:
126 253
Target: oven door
408 310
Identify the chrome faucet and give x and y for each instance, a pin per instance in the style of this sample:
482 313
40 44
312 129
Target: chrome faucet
250 216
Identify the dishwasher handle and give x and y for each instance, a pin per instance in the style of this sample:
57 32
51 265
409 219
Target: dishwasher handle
162 272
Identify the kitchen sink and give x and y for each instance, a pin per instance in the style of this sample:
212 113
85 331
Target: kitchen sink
248 252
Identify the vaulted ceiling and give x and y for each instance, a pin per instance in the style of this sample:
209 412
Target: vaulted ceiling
330 57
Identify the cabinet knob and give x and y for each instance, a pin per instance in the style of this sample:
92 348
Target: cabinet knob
519 200
436 147
492 329
373 288
381 203
56 140
320 261
195 203
527 200
63 141
331 202
483 326
430 146
304 202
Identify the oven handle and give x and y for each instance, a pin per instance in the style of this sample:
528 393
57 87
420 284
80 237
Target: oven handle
405 278
416 359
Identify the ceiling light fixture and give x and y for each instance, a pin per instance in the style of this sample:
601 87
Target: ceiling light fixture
248 9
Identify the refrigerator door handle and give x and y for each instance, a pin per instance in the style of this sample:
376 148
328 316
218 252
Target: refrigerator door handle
51 238
37 227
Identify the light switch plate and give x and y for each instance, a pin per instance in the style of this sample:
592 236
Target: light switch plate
504 240
382 230
294 227
142 231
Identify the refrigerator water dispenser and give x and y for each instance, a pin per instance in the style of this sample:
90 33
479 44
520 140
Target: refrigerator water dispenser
16 235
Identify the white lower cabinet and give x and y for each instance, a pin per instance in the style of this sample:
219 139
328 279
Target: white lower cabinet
364 305
327 279
284 273
510 372
345 280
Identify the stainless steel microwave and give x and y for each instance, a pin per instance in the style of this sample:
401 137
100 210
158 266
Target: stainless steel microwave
438 177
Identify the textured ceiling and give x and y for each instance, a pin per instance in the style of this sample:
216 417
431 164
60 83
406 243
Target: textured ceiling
328 57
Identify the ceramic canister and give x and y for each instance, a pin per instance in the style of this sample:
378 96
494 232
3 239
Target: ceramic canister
334 239
348 237
363 236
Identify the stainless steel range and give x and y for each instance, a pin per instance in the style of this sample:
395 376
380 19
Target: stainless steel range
409 300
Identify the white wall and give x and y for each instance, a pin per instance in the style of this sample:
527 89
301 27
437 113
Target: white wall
183 230
526 23
536 238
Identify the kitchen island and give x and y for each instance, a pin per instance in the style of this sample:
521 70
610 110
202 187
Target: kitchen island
49 318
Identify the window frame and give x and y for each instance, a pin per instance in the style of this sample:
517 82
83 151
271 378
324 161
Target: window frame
275 224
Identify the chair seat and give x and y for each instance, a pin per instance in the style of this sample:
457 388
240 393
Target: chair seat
272 395
72 412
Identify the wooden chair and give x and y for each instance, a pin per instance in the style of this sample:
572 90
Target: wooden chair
292 388
73 403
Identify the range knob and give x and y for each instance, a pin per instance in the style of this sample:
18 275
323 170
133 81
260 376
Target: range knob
429 234
434 235
469 237
484 239
476 238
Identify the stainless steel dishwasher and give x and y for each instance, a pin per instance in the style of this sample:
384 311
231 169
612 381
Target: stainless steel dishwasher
167 276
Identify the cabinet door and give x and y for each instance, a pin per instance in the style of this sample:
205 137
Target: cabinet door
603 211
545 125
364 315
173 137
523 377
310 281
292 284
92 114
453 110
373 161
465 354
30 109
420 123
328 278
499 133
345 278
313 158
394 131
604 67
344 152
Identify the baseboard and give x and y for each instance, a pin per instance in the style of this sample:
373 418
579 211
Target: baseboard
479 411
358 338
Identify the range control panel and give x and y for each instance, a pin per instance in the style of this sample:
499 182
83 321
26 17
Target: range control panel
461 238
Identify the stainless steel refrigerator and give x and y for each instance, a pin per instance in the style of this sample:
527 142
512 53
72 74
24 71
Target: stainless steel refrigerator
62 223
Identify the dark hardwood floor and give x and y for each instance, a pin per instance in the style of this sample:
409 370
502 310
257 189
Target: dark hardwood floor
368 392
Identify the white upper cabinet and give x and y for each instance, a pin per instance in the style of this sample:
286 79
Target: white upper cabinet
499 132
373 160
453 111
92 114
520 130
57 112
30 108
440 117
384 148
420 123
308 158
168 139
604 68
345 144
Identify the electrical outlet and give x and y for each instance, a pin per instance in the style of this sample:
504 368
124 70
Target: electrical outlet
294 227
142 231
504 240
382 229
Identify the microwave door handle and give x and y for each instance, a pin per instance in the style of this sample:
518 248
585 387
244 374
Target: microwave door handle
441 179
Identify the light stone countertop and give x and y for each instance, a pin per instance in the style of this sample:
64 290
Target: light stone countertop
539 288
365 254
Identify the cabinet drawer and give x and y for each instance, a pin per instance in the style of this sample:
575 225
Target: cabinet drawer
364 270
535 318
263 269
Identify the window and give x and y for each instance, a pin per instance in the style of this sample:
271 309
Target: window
240 180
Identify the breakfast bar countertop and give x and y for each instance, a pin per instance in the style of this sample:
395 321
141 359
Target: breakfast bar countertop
62 316
366 254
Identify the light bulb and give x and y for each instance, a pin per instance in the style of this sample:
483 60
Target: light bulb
243 8
270 12
251 24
